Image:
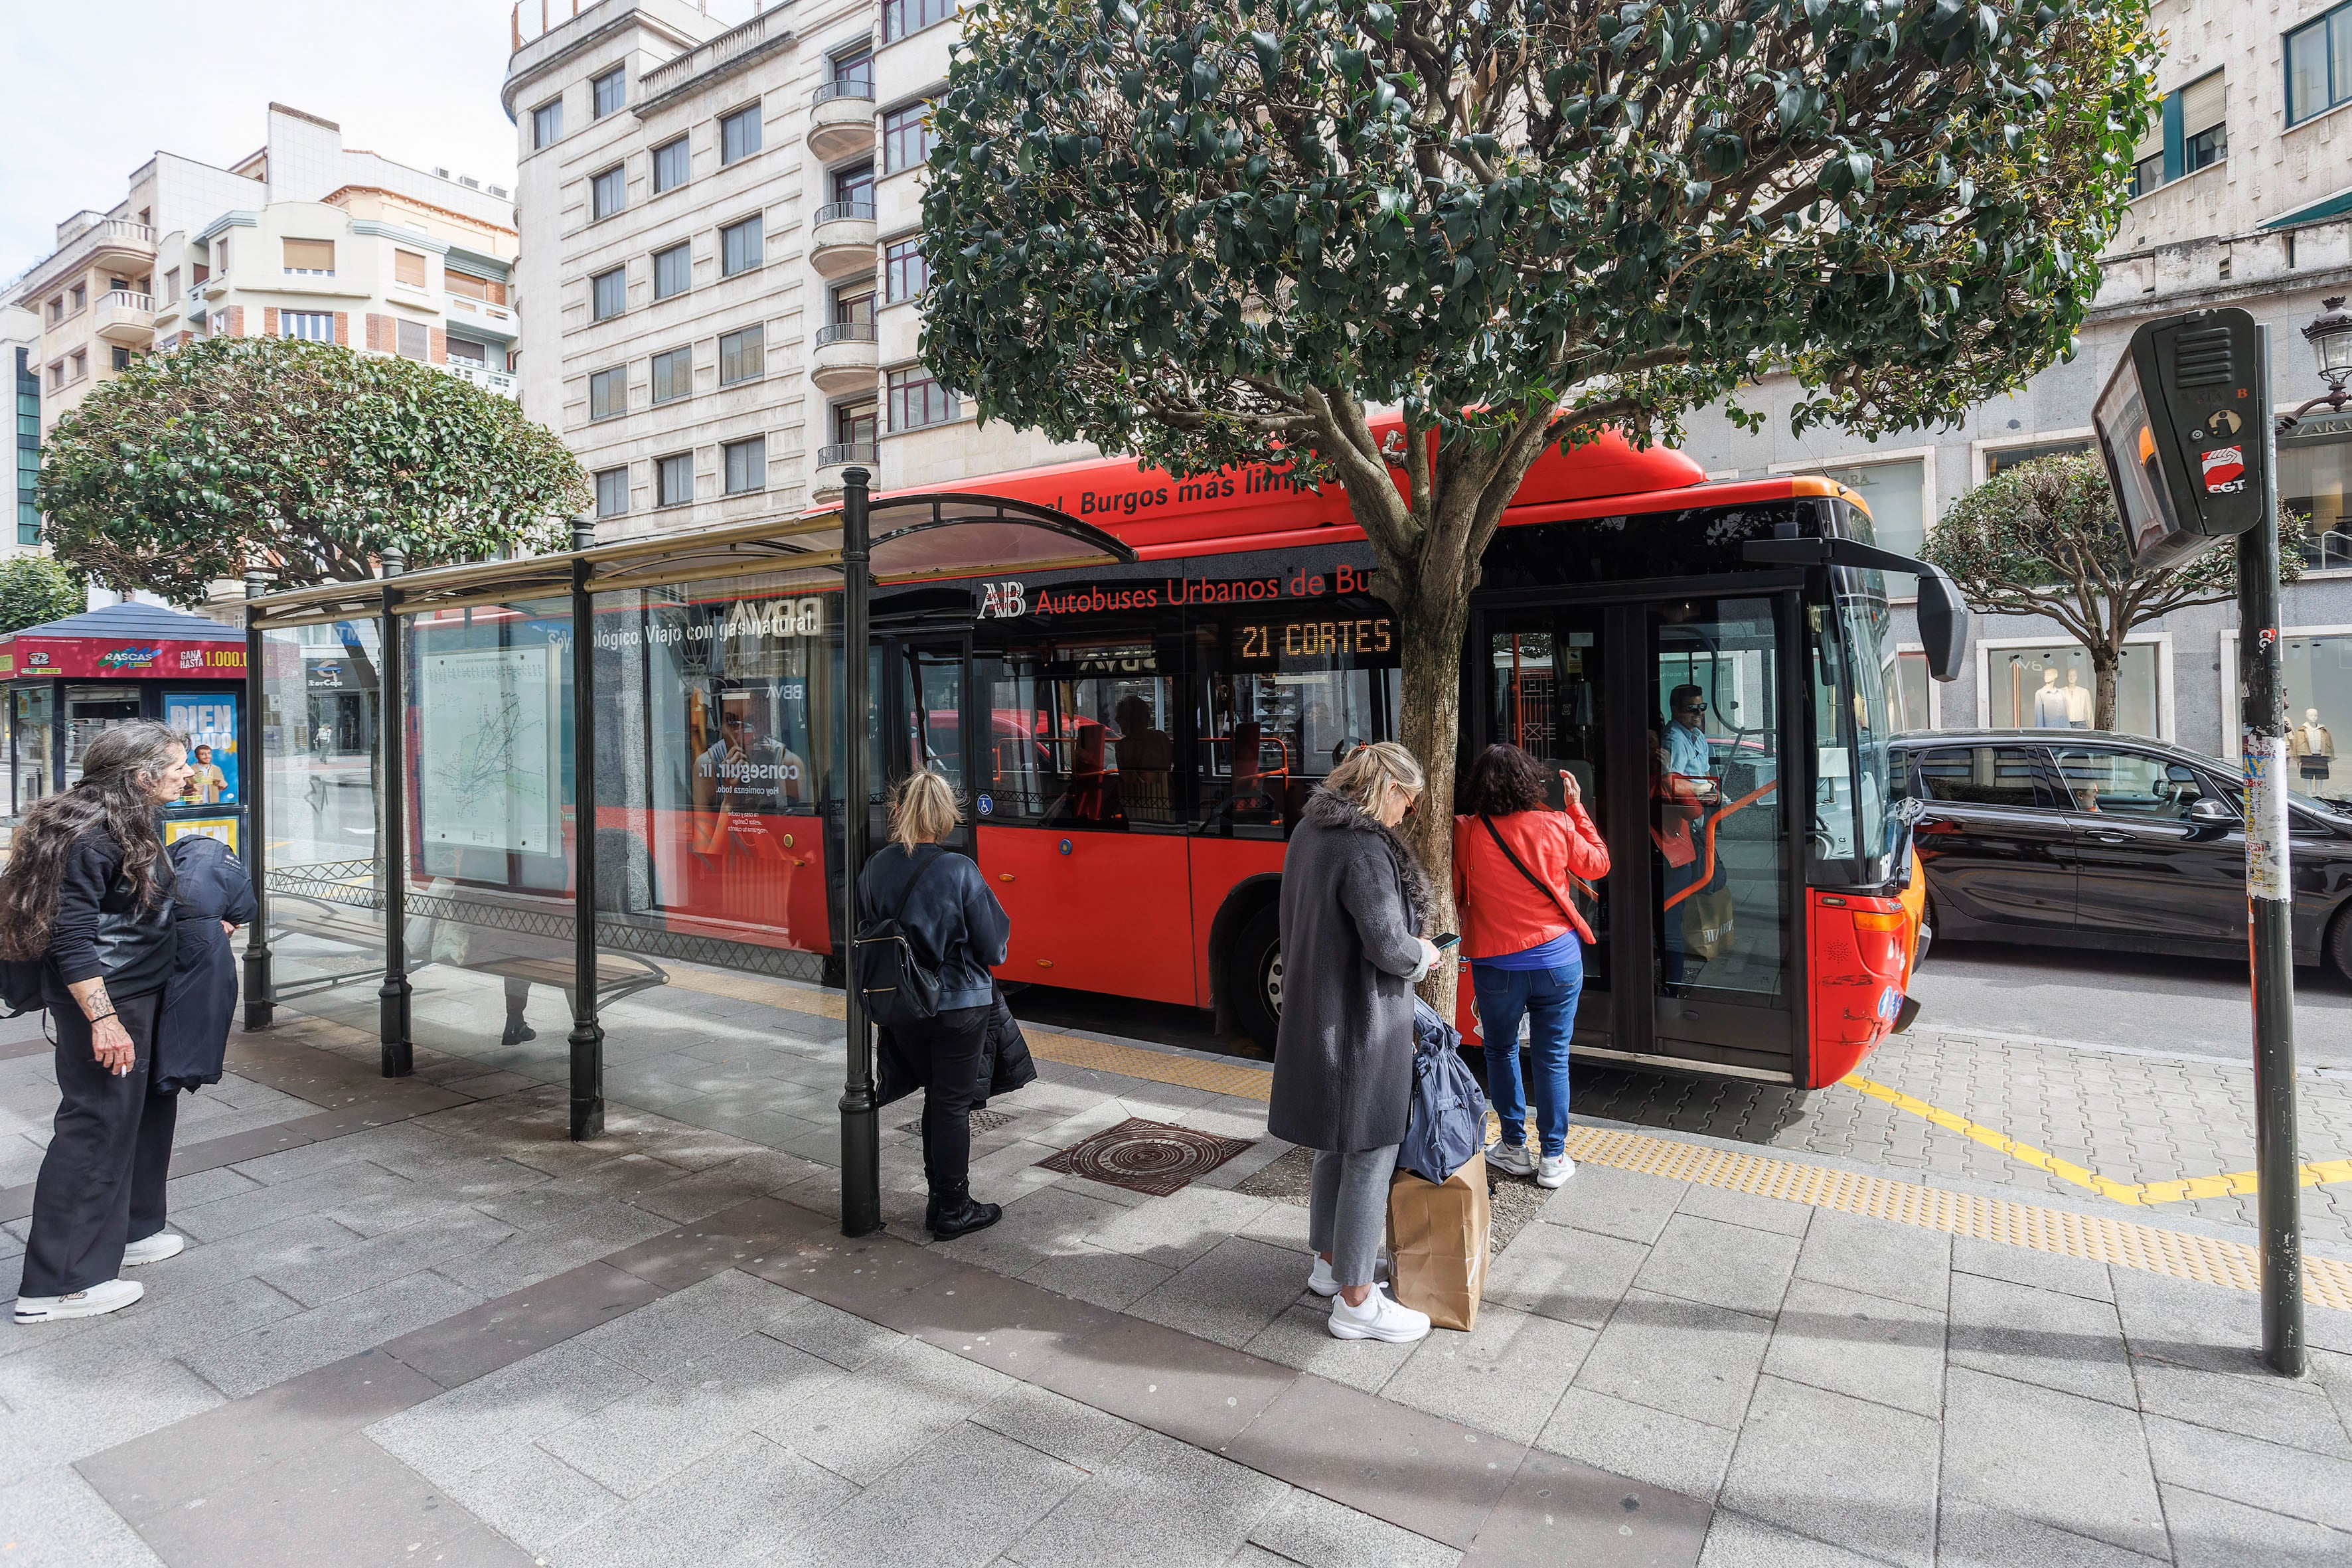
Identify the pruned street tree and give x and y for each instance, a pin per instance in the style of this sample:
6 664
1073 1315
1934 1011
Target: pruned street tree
2043 538
1222 232
304 459
34 589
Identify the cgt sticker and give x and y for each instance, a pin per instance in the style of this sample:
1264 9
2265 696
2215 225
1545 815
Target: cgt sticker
2225 468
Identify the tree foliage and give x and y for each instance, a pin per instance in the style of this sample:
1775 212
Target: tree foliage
35 590
1214 232
304 458
2043 538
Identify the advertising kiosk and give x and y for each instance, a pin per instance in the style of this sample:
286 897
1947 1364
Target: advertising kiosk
67 681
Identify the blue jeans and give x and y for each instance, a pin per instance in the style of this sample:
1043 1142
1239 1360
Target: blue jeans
1548 998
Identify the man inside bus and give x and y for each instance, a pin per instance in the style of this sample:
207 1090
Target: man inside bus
1688 752
1147 763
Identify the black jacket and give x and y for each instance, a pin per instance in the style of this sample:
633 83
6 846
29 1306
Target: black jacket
192 1037
954 922
1005 1061
99 928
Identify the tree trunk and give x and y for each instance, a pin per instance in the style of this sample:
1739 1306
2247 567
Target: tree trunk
1429 642
2102 690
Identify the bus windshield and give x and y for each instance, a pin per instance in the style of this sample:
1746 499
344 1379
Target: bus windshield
1851 830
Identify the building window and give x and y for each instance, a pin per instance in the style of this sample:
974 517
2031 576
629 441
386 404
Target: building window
916 400
1911 694
172 284
743 356
853 190
547 123
672 270
119 358
673 375
2051 687
80 364
219 322
853 305
852 423
2001 457
739 135
608 294
608 392
415 339
80 297
57 376
464 351
609 92
612 493
906 271
311 257
2319 65
674 478
900 17
409 267
2314 473
1896 494
608 193
488 290
57 309
906 137
2192 132
853 72
673 164
740 247
747 465
310 326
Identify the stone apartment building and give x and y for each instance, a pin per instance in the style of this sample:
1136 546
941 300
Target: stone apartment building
304 239
2244 198
719 254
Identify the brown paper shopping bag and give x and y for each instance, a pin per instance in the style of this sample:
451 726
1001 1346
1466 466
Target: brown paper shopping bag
1437 1243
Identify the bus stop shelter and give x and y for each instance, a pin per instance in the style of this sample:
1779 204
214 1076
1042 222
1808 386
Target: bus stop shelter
584 764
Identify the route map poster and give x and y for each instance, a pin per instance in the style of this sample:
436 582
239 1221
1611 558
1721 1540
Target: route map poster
487 774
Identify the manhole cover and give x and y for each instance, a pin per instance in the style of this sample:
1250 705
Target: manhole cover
982 1122
1146 1156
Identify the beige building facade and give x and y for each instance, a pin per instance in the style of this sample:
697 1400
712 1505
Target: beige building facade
723 294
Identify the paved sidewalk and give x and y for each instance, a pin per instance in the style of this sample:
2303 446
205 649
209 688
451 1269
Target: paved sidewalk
416 1317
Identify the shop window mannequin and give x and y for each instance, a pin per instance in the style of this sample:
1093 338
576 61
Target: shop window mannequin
2078 701
2311 746
2053 709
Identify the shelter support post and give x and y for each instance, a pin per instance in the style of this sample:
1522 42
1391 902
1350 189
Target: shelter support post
587 1033
861 1133
392 999
260 1004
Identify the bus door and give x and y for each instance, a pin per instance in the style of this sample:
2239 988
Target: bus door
923 722
1075 799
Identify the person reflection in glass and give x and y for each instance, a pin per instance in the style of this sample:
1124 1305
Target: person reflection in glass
1676 809
742 774
1147 762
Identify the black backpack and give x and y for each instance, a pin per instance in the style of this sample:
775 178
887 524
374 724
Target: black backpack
21 990
898 986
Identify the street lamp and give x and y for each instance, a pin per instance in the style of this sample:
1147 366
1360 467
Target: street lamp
2330 336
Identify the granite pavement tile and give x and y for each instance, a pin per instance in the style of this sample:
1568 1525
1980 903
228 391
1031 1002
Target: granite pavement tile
1229 1294
1089 1274
475 1423
2059 1340
244 1363
1736 1540
1301 1337
1637 1441
1684 1357
54 1518
382 1257
2266 1475
1975 1534
689 1323
586 1233
1575 1276
1174 1230
2254 1402
1504 1376
831 1334
865 1424
2077 1465
1313 1532
955 1503
1867 1346
1856 1473
2031 1267
1160 1501
531 1497
1879 1258
1732 1266
2216 1532
728 1509
1073 1433
1623 1203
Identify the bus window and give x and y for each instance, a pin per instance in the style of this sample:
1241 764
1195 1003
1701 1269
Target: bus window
1851 727
1078 733
1715 798
1283 698
1547 697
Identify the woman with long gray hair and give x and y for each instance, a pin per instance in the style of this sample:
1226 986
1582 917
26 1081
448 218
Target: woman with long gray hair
1353 900
86 894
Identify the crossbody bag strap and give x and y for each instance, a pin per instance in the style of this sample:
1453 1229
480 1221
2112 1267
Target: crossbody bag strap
1542 886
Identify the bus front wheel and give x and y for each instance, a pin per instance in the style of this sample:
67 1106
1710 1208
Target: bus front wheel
1253 976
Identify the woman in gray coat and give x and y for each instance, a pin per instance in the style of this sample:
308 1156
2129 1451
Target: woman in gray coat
1353 900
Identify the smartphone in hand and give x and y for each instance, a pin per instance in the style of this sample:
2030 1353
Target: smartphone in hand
1446 940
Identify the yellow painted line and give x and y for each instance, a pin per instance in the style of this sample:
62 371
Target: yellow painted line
2315 1174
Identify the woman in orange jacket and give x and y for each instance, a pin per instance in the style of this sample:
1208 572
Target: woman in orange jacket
1516 862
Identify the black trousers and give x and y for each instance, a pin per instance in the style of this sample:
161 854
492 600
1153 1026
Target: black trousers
944 1051
101 1182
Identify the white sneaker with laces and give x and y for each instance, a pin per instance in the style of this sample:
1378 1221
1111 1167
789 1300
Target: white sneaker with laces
155 1248
1382 1317
1323 1282
1556 1171
1511 1159
95 1302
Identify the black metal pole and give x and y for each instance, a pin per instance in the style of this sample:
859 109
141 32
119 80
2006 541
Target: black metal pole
260 1004
2270 903
587 1034
861 1142
392 999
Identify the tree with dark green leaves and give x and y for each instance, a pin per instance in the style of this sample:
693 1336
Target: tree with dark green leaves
35 590
305 459
1219 232
2043 538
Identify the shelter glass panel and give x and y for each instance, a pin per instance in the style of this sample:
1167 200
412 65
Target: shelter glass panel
321 769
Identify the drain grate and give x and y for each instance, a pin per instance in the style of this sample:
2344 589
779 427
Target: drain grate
1146 1156
982 1122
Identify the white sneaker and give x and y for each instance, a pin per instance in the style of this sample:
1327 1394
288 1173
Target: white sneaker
1556 1171
155 1248
94 1303
1323 1282
1380 1318
1511 1159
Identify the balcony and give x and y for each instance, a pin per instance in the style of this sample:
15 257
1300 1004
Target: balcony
847 354
769 31
110 244
126 318
832 460
840 238
841 119
482 313
494 381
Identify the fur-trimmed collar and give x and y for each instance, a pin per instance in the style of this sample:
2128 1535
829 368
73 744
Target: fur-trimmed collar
1327 809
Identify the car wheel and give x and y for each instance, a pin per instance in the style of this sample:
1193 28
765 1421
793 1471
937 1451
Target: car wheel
2339 942
1253 976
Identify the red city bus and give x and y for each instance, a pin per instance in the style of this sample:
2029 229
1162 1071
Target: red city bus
1137 743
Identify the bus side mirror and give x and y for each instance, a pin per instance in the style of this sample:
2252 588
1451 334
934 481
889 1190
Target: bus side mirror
1943 623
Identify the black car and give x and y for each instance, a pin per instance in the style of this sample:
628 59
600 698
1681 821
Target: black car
2085 839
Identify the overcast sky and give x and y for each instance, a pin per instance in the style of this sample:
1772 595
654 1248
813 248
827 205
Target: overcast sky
91 91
